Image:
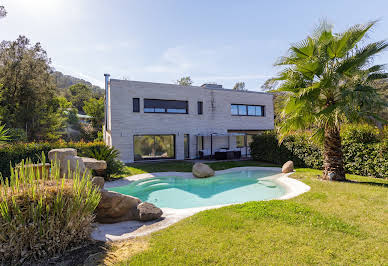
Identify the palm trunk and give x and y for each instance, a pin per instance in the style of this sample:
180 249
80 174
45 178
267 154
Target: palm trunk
332 156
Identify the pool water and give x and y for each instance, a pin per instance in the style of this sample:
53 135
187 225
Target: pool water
180 193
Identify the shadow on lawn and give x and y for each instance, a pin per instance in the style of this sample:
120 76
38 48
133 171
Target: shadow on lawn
369 183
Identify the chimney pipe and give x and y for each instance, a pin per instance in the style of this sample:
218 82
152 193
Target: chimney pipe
107 101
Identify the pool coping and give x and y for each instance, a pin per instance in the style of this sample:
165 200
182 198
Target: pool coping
132 229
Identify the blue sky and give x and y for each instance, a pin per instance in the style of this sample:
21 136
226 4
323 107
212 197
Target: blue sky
161 40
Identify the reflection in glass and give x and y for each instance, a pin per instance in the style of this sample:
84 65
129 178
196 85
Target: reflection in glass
251 110
242 110
154 147
259 111
234 109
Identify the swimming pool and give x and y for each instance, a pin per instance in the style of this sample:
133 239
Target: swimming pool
181 193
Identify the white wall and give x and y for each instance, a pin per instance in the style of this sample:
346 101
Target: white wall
217 119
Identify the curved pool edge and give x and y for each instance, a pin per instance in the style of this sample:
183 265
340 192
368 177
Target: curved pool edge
132 229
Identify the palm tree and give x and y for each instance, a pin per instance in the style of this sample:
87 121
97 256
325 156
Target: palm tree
329 80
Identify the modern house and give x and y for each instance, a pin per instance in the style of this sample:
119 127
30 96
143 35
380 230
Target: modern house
146 120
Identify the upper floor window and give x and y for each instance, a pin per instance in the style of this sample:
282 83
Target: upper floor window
200 108
136 105
165 106
247 110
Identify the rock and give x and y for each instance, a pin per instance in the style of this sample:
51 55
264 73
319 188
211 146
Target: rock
67 157
98 181
93 164
115 207
60 154
202 170
148 211
288 167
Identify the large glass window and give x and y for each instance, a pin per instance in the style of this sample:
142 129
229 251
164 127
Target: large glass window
247 110
154 147
234 109
240 141
249 140
251 110
165 106
259 111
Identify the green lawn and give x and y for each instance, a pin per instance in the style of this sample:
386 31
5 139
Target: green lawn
334 223
182 166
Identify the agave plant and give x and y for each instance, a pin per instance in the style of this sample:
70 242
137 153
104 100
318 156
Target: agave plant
329 80
108 154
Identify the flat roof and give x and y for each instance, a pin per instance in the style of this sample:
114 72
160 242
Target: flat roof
198 87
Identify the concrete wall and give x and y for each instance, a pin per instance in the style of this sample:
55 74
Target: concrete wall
216 117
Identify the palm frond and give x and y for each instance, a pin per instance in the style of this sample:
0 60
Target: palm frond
362 56
3 134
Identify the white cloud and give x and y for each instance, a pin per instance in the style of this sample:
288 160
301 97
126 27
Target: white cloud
173 60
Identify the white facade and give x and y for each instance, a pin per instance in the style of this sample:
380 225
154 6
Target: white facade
122 124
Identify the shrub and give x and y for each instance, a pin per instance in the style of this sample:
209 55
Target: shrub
108 154
299 149
365 153
17 135
15 152
42 216
364 134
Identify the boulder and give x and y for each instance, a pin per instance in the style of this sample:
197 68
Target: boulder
115 207
148 212
66 158
202 170
98 181
60 154
288 167
93 164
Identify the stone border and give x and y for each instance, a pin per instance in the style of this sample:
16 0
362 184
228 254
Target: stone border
131 229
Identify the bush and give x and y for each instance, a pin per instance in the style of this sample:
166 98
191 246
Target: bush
42 216
108 154
17 134
364 134
14 153
365 152
299 149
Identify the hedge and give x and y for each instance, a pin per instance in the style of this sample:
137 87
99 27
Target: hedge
367 159
12 154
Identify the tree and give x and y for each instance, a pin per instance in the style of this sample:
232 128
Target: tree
27 92
329 80
184 81
78 94
3 12
95 109
239 86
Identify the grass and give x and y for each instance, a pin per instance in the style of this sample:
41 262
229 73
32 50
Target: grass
182 166
334 223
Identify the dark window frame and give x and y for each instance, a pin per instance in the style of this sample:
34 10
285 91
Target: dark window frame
246 108
200 107
188 146
165 110
136 105
155 158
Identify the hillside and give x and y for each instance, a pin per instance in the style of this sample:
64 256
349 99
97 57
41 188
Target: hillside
64 81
